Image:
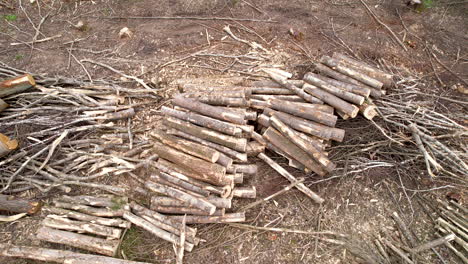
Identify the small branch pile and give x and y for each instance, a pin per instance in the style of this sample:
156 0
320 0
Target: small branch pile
55 127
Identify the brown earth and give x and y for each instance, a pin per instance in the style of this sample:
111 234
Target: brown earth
358 203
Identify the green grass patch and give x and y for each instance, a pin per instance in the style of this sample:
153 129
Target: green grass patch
10 17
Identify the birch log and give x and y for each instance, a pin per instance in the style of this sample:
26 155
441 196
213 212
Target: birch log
310 111
17 205
209 110
58 256
93 244
332 100
16 85
239 144
209 172
301 187
227 218
204 121
189 147
292 150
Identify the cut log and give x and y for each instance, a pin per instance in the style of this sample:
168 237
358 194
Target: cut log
183 184
239 144
272 91
89 218
208 172
308 126
7 145
181 210
201 120
58 256
16 85
3 105
352 88
138 221
103 212
254 148
343 115
226 150
335 65
332 100
304 145
110 201
369 111
273 84
93 244
124 114
163 221
250 169
383 77
209 89
249 115
59 222
283 74
239 93
310 111
227 218
291 161
169 201
313 79
292 150
258 104
301 186
193 201
323 69
189 147
307 97
237 178
224 101
156 179
265 97
224 160
209 110
257 137
186 175
17 205
245 192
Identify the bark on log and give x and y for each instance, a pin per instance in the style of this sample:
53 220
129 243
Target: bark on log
124 114
209 110
332 100
301 186
307 97
163 221
192 200
156 179
352 88
227 218
308 126
313 79
369 111
335 65
304 145
245 192
250 169
265 97
7 145
16 85
343 115
58 222
208 172
273 84
254 148
89 218
16 205
189 147
224 160
93 244
292 150
310 111
169 201
346 79
383 77
183 184
185 175
181 210
110 201
257 137
103 212
138 221
58 256
249 115
201 120
291 161
228 151
224 101
237 178
280 73
239 93
272 91
239 144
203 88
258 104
3 105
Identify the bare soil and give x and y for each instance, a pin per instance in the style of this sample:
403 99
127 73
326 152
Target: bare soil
357 204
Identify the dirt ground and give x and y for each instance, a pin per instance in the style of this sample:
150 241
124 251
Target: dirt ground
358 203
